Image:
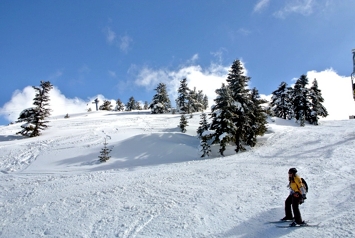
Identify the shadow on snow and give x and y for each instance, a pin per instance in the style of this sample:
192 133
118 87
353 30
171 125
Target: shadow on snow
259 226
143 150
11 138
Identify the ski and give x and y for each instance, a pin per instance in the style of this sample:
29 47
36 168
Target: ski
280 221
297 226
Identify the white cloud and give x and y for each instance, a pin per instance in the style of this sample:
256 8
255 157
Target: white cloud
84 69
112 74
303 7
193 59
261 5
91 104
124 43
110 35
207 80
336 91
62 105
219 54
265 97
244 31
20 100
59 104
55 75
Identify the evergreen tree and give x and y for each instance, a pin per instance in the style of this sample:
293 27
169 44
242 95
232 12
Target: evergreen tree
238 82
183 123
317 108
131 104
137 106
222 115
182 100
27 115
257 118
205 146
194 105
202 133
106 106
200 96
146 105
119 105
205 102
237 116
104 153
301 107
161 102
35 119
203 125
281 104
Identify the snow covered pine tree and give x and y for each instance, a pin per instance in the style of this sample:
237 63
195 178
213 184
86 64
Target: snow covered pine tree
182 100
119 105
233 116
183 123
161 102
257 118
222 118
238 82
131 104
203 135
281 104
301 106
106 106
35 117
317 108
194 101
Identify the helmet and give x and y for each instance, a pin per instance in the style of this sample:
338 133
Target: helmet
292 171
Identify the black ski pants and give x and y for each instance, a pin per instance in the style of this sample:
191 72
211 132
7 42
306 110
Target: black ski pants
293 201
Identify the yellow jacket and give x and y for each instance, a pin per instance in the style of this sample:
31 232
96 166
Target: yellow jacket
296 184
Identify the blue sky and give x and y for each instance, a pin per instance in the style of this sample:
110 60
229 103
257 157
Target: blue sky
118 49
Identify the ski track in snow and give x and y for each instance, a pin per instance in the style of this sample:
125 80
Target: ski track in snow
155 184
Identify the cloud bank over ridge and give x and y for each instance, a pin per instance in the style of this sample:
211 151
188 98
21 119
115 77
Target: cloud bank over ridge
336 90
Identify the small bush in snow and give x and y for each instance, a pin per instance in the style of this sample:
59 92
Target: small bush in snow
104 153
183 123
119 105
106 106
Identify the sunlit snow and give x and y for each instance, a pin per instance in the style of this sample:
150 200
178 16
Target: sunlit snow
156 185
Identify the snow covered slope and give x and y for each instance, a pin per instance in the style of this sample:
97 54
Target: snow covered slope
155 184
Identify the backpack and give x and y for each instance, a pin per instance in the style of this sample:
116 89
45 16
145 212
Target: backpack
304 190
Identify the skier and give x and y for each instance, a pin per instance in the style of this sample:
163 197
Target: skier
294 199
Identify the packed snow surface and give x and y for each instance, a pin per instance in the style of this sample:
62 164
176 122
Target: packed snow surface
156 185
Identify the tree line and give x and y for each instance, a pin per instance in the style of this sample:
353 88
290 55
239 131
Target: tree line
236 118
299 102
188 101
